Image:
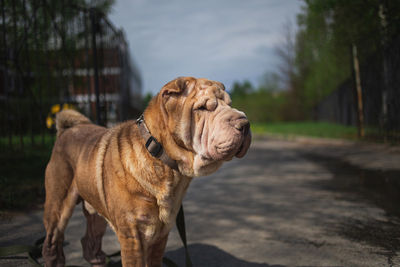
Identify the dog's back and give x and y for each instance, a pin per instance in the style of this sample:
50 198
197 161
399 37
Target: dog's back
75 133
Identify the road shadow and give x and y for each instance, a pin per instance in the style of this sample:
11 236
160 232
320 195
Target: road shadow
205 255
378 187
211 256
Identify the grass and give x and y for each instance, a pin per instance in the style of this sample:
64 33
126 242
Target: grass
306 128
38 140
22 173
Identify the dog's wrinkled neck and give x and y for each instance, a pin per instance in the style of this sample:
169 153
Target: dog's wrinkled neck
156 121
153 146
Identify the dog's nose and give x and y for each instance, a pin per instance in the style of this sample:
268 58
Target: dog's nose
242 124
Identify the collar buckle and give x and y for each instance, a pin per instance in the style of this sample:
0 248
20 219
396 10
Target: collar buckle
153 146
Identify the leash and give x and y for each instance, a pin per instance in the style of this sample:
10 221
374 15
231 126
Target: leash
180 224
35 251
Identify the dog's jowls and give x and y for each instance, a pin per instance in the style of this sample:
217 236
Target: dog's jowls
118 180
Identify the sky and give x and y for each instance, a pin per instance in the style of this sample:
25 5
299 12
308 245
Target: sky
223 40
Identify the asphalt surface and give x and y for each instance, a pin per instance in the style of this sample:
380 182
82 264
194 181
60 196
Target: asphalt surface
287 203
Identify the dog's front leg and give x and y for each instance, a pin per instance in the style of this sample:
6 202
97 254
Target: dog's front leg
156 252
133 249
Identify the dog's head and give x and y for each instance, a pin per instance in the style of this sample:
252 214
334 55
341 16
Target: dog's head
196 116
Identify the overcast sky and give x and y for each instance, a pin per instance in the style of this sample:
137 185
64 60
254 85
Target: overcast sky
223 40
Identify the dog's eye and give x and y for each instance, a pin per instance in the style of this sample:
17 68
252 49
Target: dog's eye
202 108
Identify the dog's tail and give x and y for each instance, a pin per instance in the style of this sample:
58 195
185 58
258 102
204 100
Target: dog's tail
69 118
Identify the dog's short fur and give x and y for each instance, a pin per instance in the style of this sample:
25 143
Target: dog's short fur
118 180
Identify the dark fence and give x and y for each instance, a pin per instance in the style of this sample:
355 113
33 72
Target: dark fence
380 82
56 53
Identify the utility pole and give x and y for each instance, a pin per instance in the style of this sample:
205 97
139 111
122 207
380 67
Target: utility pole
357 79
385 69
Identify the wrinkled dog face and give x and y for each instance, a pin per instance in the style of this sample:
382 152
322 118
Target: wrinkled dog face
207 124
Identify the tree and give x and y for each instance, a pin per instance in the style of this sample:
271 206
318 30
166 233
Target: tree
327 31
241 89
146 99
287 54
271 81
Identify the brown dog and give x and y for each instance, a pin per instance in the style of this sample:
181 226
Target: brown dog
135 174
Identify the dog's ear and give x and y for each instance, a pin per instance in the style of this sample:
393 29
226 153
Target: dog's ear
181 85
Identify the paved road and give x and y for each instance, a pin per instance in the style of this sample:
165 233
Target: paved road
287 203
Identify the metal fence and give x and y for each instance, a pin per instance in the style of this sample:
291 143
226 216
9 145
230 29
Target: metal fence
55 53
380 84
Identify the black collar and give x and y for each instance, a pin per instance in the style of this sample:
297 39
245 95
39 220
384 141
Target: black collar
153 146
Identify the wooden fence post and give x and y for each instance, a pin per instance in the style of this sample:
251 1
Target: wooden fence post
94 17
